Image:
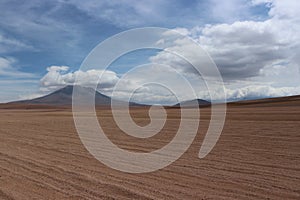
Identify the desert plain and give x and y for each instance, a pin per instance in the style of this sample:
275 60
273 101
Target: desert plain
256 157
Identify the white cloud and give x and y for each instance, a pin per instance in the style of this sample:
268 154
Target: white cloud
167 85
256 58
8 69
58 77
261 91
281 9
242 49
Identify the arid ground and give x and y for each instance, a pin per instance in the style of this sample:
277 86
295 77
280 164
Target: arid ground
256 157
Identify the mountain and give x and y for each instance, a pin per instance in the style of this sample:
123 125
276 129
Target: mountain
63 97
193 103
275 101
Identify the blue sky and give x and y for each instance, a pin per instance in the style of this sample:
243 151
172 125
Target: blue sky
35 35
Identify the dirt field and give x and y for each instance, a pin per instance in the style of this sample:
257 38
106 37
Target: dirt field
256 157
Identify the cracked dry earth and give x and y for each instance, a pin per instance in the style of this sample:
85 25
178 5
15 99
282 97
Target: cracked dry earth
256 157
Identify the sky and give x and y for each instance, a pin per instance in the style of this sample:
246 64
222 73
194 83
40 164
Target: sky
254 43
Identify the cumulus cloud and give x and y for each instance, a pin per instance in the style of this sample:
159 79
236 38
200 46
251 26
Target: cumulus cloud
58 77
167 86
281 9
255 58
243 48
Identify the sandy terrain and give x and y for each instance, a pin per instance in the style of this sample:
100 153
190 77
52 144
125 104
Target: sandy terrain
257 157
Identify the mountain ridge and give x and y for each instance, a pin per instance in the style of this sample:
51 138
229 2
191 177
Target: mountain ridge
193 103
63 97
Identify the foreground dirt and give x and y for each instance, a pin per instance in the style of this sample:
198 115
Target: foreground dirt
256 157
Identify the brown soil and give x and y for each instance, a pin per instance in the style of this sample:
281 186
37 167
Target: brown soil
256 157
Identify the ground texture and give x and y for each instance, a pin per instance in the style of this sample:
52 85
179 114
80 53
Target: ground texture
256 157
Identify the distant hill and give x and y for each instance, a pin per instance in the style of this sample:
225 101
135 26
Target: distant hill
275 101
193 103
63 97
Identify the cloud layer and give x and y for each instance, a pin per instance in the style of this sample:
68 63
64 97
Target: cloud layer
255 44
257 59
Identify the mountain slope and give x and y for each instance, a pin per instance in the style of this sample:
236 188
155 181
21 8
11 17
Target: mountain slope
275 101
193 103
64 97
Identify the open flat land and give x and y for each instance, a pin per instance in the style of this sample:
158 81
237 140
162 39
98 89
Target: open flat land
256 157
